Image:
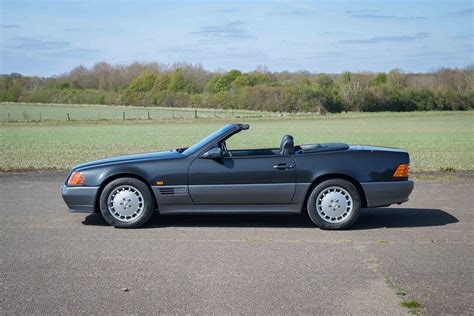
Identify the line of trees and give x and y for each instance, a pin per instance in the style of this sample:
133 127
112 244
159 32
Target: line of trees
187 85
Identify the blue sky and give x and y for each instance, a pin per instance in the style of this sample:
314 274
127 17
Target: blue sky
44 37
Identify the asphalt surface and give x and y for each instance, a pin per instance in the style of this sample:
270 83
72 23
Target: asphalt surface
56 262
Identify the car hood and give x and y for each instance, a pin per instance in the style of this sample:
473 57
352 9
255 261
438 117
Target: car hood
129 158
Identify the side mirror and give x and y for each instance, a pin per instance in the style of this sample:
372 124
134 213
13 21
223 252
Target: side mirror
212 153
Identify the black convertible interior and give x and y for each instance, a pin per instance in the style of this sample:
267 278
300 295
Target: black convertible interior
287 147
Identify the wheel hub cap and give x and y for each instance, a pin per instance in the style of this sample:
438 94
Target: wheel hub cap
334 204
125 203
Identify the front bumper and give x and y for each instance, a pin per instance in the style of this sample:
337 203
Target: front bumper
387 193
80 199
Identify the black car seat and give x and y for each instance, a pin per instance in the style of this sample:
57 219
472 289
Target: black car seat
287 147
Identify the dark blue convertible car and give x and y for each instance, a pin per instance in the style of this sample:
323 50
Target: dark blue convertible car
331 182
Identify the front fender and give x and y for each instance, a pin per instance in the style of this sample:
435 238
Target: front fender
167 171
96 176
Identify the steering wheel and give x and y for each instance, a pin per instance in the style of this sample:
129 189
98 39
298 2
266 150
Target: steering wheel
224 151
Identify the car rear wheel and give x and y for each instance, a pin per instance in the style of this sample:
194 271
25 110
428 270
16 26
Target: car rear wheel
334 204
126 203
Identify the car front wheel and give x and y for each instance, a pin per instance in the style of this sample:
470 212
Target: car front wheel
334 204
126 203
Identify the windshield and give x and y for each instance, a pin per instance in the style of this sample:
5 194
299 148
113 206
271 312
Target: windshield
206 140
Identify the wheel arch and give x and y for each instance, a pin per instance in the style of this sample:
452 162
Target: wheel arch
118 176
330 176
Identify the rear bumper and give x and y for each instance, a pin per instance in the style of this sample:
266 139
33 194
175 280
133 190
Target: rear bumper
386 193
80 199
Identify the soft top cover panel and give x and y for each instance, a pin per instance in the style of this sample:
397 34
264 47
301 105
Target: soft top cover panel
312 148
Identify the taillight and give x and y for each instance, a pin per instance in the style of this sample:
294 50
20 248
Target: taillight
402 171
76 179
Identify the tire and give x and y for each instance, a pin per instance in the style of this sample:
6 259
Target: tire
126 203
334 204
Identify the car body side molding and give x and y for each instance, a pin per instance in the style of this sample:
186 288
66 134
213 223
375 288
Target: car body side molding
231 208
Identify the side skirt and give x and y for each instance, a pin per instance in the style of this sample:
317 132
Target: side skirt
231 209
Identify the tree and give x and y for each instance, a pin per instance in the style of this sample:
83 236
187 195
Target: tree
396 80
162 82
179 83
250 79
222 83
324 81
242 81
143 83
9 91
79 77
380 79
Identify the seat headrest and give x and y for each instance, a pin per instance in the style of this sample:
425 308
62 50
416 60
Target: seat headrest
287 146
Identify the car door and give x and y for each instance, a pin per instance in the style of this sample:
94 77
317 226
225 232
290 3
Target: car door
242 180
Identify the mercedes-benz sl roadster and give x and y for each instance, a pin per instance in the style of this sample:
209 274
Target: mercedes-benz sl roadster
331 182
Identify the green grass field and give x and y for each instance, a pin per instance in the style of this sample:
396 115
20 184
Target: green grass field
27 112
435 140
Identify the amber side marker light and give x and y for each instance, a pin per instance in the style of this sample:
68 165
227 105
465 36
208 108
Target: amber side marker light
76 179
402 171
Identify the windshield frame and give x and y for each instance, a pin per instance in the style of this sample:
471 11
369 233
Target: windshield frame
210 139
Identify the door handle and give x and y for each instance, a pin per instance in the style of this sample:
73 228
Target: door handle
283 166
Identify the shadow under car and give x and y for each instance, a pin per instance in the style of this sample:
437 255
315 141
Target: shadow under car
368 219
